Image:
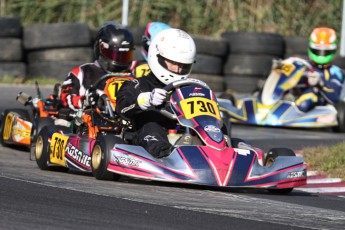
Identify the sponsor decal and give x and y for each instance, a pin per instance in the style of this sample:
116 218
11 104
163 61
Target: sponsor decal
196 80
243 152
127 161
150 138
124 159
197 92
126 109
211 128
297 174
78 155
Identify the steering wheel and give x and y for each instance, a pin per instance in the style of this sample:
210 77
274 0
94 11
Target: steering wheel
105 97
178 84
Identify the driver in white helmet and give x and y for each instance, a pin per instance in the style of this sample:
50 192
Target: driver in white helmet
170 57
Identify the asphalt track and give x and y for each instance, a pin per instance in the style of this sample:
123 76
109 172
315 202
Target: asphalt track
35 199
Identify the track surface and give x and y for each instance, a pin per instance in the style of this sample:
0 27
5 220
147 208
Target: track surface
35 199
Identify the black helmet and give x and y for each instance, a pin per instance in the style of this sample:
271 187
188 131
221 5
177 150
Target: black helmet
114 48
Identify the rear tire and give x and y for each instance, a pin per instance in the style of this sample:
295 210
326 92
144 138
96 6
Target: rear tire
100 157
6 123
270 158
340 107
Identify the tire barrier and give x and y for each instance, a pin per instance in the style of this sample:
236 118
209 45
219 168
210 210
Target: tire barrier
54 49
12 54
296 46
237 61
250 58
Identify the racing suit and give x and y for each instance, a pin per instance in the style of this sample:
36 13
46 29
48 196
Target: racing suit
141 69
326 91
150 125
79 80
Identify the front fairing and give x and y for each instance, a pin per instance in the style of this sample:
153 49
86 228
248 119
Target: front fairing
282 79
203 165
196 107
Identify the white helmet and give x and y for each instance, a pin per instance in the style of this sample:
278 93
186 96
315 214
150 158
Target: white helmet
173 45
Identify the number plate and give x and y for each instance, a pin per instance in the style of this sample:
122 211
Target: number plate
57 149
198 106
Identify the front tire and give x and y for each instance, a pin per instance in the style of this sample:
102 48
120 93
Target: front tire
100 157
42 147
270 159
36 128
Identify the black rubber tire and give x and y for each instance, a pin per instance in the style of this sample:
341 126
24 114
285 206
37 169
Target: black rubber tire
207 64
211 46
340 107
296 46
244 64
272 154
100 157
82 54
13 69
137 56
55 69
229 96
235 141
255 43
242 83
340 62
215 82
42 150
137 33
23 113
11 27
37 125
227 127
56 35
11 49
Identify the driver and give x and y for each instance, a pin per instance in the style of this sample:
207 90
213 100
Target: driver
325 80
113 51
171 56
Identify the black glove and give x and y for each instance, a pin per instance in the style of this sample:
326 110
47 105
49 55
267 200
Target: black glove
91 98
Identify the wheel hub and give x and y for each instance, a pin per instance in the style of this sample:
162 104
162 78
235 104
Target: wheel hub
39 147
96 157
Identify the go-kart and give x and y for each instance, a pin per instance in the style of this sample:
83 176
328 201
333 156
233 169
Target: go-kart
69 147
19 126
274 104
202 154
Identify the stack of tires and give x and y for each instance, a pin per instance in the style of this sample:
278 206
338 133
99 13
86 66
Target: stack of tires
211 53
55 49
296 46
208 67
250 58
137 33
12 55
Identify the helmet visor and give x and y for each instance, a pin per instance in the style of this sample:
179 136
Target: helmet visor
175 67
117 55
322 52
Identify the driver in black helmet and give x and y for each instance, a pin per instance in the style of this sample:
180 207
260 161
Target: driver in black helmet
113 50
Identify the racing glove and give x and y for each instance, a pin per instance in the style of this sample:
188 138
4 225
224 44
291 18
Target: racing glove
277 63
314 78
154 98
91 98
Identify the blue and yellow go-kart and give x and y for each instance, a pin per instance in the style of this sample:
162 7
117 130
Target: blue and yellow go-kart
274 104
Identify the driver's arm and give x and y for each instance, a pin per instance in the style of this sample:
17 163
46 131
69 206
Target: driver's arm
126 102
